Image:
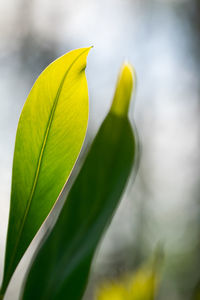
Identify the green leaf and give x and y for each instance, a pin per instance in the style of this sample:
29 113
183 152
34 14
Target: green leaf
50 134
61 266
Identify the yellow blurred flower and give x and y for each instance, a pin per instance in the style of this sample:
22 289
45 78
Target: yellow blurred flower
112 291
142 285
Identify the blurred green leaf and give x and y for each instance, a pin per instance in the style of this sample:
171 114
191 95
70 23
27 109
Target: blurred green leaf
61 267
196 292
197 296
50 134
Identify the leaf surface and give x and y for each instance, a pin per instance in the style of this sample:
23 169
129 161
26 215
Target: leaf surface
50 135
61 266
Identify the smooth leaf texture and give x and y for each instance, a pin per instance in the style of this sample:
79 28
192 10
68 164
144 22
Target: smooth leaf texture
50 134
61 267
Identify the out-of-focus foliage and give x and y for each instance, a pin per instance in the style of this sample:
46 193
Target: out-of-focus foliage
196 293
113 291
143 284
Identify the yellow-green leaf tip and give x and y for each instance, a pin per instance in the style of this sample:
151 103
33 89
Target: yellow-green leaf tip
125 83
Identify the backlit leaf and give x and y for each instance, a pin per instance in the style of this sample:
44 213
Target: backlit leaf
50 134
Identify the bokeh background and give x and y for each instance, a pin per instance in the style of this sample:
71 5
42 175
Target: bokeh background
161 38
